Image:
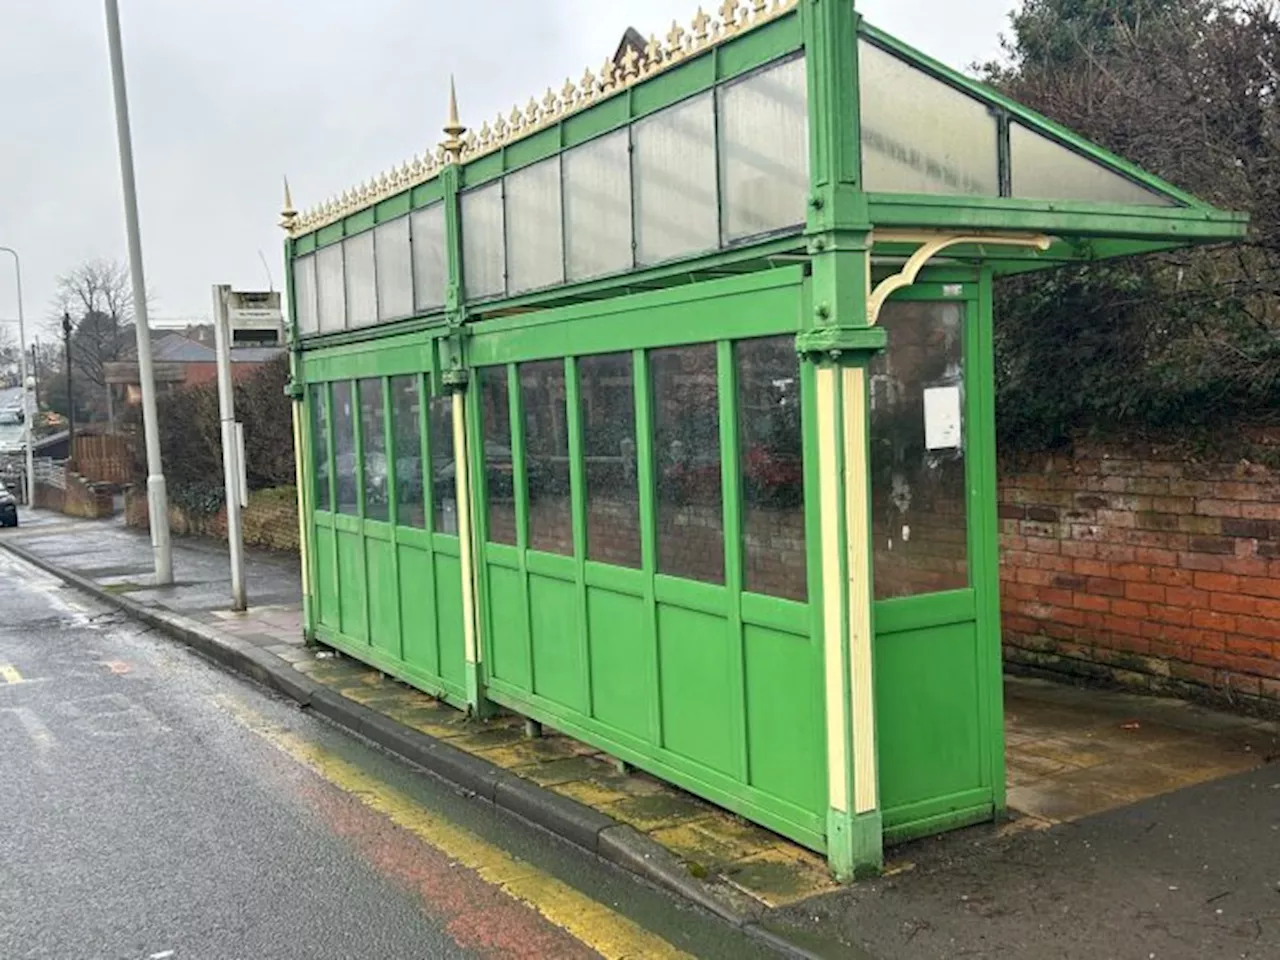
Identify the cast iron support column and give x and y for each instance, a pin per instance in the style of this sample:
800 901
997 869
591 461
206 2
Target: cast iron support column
455 378
295 390
839 342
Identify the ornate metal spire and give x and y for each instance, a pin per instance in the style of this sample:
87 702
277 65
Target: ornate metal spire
287 213
453 128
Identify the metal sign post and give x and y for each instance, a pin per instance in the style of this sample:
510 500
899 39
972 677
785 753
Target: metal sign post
232 446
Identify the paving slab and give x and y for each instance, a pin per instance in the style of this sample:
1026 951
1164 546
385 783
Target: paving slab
1071 753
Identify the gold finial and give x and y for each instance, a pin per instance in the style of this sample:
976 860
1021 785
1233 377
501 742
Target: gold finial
729 13
453 128
700 24
287 213
675 40
630 62
652 52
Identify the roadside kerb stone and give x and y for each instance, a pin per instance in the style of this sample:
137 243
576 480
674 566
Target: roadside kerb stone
577 823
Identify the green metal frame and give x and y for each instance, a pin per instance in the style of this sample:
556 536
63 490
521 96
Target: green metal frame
813 282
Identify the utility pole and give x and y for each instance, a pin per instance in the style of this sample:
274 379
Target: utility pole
35 373
232 467
157 496
71 394
22 376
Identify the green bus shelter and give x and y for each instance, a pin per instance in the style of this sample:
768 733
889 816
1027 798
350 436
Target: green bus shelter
660 411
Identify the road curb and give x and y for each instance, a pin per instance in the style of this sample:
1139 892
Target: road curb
583 826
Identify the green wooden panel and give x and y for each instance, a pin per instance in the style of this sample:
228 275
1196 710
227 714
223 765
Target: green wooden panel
417 610
698 720
425 194
786 740
602 118
532 148
928 714
785 818
689 78
359 221
558 670
351 594
754 305
383 592
330 234
449 620
620 649
508 619
393 207
326 587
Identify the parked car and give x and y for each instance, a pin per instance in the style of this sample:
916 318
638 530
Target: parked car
8 508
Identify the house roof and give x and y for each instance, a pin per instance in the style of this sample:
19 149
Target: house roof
175 348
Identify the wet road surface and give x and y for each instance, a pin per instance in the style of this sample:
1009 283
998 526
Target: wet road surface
155 807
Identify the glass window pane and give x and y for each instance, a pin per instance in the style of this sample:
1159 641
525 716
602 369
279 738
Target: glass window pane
597 207
304 291
430 268
331 294
344 449
1045 170
444 483
920 135
686 452
373 437
406 431
764 150
499 488
362 291
546 456
395 270
607 391
320 447
919 508
771 460
675 182
535 243
483 260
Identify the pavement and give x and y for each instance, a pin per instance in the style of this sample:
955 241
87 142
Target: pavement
158 807
1124 809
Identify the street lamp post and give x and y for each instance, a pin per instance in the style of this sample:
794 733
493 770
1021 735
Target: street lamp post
71 395
27 412
157 496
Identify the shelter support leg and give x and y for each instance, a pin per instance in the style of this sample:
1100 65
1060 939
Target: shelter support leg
462 493
854 829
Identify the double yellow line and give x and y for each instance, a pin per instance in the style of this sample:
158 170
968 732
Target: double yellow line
596 926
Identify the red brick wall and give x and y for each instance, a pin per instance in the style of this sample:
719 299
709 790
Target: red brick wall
1146 567
270 520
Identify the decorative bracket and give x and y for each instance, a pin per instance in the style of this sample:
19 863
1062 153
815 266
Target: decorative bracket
930 246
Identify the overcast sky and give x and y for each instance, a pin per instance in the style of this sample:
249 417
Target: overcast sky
228 95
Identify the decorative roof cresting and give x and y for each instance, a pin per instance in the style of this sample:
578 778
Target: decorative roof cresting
461 145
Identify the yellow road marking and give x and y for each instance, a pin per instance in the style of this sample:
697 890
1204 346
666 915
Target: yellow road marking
608 933
10 673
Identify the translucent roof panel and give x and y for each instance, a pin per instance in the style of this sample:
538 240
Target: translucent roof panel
920 135
1043 169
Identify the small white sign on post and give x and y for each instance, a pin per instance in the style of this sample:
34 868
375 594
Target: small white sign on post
241 463
942 418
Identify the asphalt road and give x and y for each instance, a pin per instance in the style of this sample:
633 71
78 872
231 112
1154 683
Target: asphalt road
155 807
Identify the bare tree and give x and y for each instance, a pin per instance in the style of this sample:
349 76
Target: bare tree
98 297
